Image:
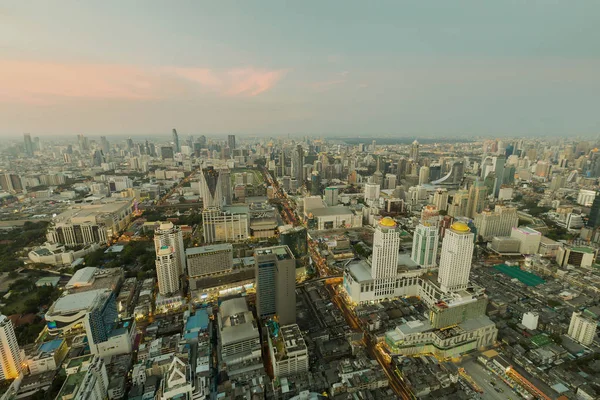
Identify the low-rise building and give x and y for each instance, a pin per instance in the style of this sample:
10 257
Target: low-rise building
287 350
48 356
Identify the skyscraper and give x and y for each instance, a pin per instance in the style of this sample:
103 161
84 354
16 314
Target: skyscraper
276 283
384 264
414 151
456 257
423 175
298 165
105 145
594 220
211 187
225 179
582 328
28 145
100 319
331 196
440 199
10 355
231 142
167 271
176 146
425 245
170 235
477 194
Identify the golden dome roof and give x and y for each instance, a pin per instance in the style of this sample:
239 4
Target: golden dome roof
388 222
460 227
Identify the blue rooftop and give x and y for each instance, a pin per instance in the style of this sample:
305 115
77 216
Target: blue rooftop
51 346
198 321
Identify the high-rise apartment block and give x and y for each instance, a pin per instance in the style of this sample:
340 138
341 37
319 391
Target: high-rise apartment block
169 235
10 360
496 223
582 328
425 245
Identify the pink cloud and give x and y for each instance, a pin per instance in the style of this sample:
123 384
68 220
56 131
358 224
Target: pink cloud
42 82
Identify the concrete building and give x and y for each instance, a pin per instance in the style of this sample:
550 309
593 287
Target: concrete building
578 256
167 271
530 320
169 235
84 224
496 223
477 196
333 218
582 329
459 204
505 245
372 192
423 175
425 245
211 187
48 357
276 283
287 350
455 259
228 225
331 196
10 354
440 199
586 197
209 260
384 264
239 341
94 385
176 382
530 239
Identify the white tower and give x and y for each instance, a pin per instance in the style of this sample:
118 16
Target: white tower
384 263
167 271
10 356
372 191
170 235
456 257
582 329
425 245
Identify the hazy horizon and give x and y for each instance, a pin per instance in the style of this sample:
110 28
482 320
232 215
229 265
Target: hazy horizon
393 68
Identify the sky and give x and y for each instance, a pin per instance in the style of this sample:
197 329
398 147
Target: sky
346 68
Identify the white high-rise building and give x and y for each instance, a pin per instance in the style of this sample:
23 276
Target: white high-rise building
372 191
456 257
170 235
423 175
10 355
582 329
384 262
167 271
425 245
390 181
496 223
440 199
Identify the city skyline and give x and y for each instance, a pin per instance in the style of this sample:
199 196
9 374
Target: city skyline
398 69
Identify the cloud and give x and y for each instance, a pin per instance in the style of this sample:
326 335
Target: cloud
322 86
43 82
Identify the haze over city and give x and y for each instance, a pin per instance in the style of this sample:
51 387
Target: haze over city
397 68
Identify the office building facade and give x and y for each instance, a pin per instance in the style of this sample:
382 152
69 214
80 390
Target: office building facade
456 257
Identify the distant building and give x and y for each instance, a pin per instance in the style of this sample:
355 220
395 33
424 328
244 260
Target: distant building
372 191
231 142
331 196
10 360
594 219
496 223
586 197
227 225
296 238
582 329
166 153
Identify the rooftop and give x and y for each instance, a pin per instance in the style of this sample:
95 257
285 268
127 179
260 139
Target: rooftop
282 252
82 277
327 211
360 271
583 249
72 303
209 249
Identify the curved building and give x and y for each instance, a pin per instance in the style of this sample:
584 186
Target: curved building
454 177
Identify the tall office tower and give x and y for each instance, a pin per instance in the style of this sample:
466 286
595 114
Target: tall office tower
414 151
100 319
423 175
456 257
167 271
459 205
331 196
10 360
557 182
28 145
225 179
425 245
275 271
372 191
477 195
83 143
105 146
170 235
211 187
378 175
594 220
231 142
298 165
98 158
384 262
440 199
390 181
176 146
499 169
315 183
582 328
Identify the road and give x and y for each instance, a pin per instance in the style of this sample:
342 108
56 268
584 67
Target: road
482 378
